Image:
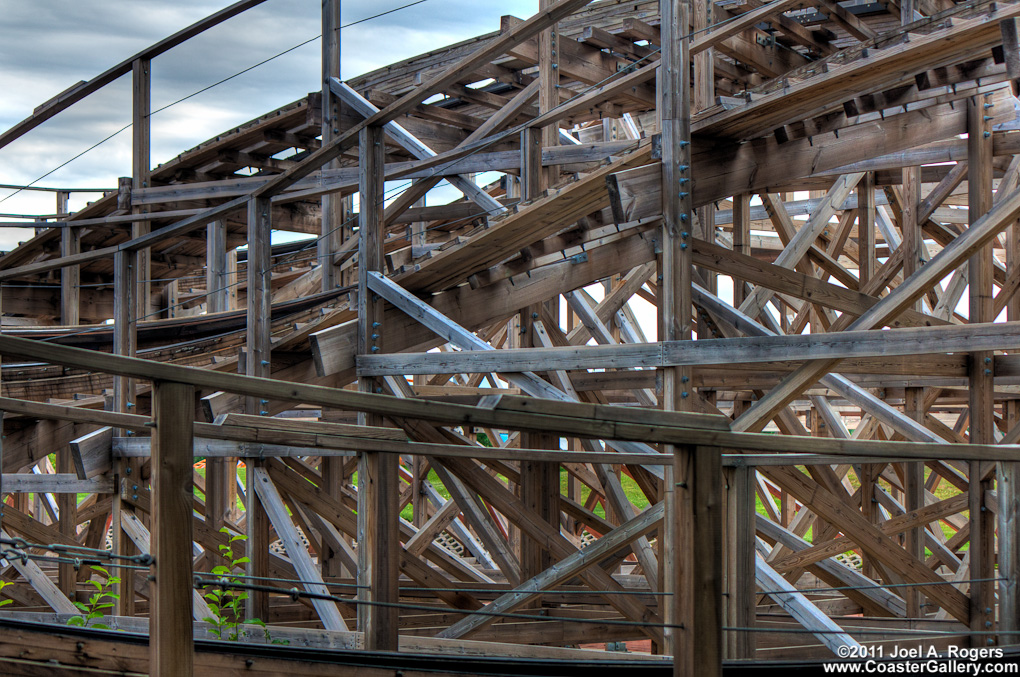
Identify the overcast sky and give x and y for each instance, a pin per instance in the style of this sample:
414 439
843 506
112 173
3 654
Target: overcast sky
47 46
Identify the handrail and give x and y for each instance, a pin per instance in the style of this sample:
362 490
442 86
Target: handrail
76 93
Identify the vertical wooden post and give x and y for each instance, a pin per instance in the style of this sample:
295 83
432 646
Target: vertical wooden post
696 550
140 172
220 473
124 343
335 211
869 508
230 280
171 645
125 335
216 267
914 489
67 505
540 482
912 242
913 472
982 402
378 542
258 357
866 266
739 545
1008 483
70 276
741 240
70 288
693 564
332 205
220 488
704 97
1008 490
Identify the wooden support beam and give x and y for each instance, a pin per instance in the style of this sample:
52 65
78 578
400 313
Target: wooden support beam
415 146
739 546
435 85
885 600
332 229
981 390
125 339
960 249
257 363
141 164
142 539
297 552
695 549
42 584
378 543
171 644
869 537
565 569
70 277
798 606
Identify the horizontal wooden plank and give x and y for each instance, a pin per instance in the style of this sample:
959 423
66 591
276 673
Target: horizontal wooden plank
55 483
751 349
603 425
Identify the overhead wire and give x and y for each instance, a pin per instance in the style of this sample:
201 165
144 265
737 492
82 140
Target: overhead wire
205 89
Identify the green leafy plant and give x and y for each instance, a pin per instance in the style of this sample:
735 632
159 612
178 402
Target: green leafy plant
226 603
4 584
102 598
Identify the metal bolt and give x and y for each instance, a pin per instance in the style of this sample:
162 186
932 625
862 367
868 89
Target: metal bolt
378 390
375 349
989 105
987 134
988 610
128 470
987 118
988 372
684 394
263 413
534 316
134 497
130 404
990 641
683 245
134 487
376 324
684 194
988 624
684 234
264 401
684 143
683 218
685 379
988 360
375 336
683 168
264 363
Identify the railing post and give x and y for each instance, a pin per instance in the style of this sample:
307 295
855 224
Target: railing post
171 644
694 526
